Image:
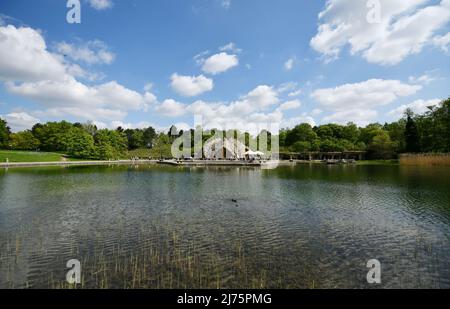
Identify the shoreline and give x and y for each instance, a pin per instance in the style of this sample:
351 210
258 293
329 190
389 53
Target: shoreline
195 163
74 163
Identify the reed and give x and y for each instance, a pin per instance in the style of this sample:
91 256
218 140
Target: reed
430 159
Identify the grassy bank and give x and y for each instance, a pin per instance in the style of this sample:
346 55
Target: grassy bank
29 156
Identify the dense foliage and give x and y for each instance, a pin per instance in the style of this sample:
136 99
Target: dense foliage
429 132
77 140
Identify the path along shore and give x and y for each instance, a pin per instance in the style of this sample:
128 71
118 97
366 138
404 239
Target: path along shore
137 162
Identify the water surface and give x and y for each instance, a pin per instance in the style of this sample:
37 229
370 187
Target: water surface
305 226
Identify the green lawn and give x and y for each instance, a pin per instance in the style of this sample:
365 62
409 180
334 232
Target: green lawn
29 156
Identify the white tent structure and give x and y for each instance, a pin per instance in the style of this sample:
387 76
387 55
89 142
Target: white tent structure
218 148
254 154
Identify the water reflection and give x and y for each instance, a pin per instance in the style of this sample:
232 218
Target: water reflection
308 226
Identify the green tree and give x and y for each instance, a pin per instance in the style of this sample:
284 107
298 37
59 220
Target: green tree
5 133
412 141
382 146
301 146
301 133
79 143
149 136
135 138
52 135
351 133
24 140
110 145
162 146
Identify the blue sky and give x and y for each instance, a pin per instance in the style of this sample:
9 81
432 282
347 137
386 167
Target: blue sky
238 63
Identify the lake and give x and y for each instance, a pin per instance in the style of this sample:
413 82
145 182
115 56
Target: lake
304 226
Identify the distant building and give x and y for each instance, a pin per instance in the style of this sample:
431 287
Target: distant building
218 148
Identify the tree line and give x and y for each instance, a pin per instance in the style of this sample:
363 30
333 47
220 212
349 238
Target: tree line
428 132
424 133
84 141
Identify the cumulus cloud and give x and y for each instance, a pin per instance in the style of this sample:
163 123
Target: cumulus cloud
261 97
191 86
358 116
404 29
72 93
289 105
220 63
101 4
418 106
171 108
91 52
20 121
358 102
246 114
24 56
368 94
304 118
31 71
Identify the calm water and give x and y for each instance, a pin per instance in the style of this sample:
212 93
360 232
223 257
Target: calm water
160 227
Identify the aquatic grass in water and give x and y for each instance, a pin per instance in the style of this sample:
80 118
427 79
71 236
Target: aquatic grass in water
160 227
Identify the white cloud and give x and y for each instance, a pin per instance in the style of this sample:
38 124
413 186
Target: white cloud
295 104
24 56
358 102
92 52
171 108
289 64
75 94
92 114
128 125
368 94
31 71
226 4
20 121
190 86
294 121
148 87
289 86
442 42
220 63
423 79
200 57
405 28
359 116
101 4
418 106
261 97
245 114
295 93
316 112
230 47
